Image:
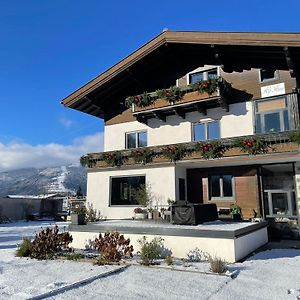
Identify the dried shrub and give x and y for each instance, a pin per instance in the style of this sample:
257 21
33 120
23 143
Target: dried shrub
92 214
49 242
113 247
150 251
169 260
197 255
25 248
217 265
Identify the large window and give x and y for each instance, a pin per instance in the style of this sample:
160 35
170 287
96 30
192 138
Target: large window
271 116
206 131
221 187
203 75
122 189
136 139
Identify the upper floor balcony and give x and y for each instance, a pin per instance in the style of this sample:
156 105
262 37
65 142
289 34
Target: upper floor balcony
199 96
257 147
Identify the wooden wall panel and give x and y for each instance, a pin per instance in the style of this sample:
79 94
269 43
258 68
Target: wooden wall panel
246 188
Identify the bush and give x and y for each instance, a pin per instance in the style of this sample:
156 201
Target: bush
75 256
112 247
24 249
49 242
150 251
217 265
169 260
92 214
197 255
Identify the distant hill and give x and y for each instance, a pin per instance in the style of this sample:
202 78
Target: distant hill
42 181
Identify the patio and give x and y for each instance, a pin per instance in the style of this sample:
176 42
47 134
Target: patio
231 241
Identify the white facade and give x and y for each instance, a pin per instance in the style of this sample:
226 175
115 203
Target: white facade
238 121
161 180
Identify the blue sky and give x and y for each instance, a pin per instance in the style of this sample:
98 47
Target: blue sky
50 48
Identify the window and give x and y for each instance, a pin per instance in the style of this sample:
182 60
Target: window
267 74
122 189
203 75
271 116
136 139
221 187
206 131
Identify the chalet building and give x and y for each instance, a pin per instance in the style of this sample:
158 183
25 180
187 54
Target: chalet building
202 117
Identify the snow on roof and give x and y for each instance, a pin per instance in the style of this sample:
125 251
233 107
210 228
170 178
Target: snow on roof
43 196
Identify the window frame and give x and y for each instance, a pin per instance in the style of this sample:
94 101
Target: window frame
276 76
222 197
136 138
110 190
206 130
205 73
262 116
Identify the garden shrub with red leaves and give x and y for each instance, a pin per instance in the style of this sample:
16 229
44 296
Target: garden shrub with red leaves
49 242
252 146
112 247
209 150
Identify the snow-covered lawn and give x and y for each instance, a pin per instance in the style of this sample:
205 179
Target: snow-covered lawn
267 275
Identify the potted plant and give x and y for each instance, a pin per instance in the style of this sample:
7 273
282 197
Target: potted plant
236 212
150 213
78 215
256 217
139 213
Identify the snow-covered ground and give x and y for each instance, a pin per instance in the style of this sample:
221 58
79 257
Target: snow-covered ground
267 275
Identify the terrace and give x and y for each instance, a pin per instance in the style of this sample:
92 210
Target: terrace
258 147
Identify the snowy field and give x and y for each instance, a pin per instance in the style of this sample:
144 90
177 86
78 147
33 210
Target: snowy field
267 275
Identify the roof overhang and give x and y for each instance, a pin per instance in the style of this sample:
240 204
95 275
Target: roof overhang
172 54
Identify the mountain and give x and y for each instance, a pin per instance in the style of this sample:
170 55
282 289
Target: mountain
32 181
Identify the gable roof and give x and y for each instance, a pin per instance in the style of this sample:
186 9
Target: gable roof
171 54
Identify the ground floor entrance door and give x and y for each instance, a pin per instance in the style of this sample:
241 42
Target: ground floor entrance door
279 200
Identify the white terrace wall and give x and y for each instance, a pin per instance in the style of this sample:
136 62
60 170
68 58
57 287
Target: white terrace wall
161 180
237 122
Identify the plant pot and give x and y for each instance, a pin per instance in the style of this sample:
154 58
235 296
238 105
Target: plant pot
77 219
140 216
236 217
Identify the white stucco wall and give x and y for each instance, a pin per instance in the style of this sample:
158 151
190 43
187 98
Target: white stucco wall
161 180
237 122
230 250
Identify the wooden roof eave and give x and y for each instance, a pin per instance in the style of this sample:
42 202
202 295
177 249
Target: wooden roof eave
281 40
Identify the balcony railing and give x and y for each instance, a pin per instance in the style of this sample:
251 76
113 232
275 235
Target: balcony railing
254 145
195 97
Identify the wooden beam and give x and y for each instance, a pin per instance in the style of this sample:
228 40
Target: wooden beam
217 56
179 113
142 119
291 65
159 116
201 109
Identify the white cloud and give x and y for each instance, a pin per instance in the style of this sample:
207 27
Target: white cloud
16 155
67 123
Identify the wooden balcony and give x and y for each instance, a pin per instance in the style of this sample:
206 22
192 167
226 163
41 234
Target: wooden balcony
190 101
274 144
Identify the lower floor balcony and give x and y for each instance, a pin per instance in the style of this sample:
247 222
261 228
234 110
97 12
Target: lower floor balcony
253 147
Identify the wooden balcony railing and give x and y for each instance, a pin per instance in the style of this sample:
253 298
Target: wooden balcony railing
254 145
195 97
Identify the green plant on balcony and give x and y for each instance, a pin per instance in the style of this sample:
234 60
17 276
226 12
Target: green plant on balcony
295 137
205 86
175 152
213 149
84 161
252 146
172 95
114 159
140 100
143 156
